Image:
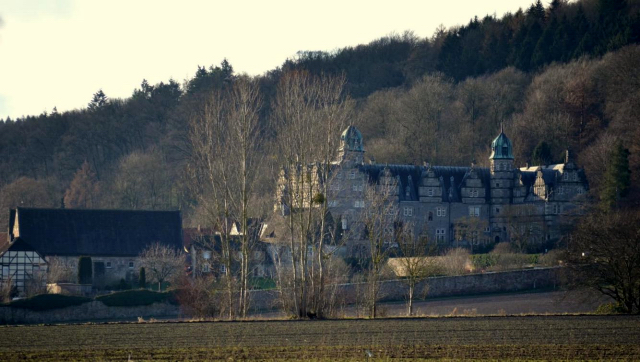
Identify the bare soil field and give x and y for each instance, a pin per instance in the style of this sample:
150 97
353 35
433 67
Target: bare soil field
525 337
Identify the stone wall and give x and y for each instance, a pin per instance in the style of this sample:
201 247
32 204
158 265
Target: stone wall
473 284
85 312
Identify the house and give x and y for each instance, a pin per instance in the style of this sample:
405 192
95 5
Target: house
112 238
204 250
454 206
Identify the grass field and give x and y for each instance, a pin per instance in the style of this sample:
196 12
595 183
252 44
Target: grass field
535 337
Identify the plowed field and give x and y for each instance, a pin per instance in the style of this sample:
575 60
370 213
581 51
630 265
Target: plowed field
531 337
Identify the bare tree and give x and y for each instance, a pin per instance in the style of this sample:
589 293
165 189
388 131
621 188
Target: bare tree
309 113
60 270
226 161
379 220
604 254
162 263
416 261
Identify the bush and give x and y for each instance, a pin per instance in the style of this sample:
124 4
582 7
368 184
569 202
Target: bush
48 301
456 262
610 308
133 298
85 270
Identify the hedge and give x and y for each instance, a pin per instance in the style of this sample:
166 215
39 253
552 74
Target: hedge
48 301
139 297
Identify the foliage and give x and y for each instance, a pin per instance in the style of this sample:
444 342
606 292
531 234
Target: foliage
541 154
456 261
131 298
85 270
43 302
617 177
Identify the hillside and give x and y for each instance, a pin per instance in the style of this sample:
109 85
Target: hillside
566 75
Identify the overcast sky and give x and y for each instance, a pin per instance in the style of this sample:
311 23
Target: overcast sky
60 52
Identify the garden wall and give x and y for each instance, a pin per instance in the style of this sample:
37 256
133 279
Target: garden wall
473 284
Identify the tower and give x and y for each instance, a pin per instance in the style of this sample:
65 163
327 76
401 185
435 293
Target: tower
502 171
351 150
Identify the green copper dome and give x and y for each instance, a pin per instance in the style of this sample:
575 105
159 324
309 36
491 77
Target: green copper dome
501 148
351 139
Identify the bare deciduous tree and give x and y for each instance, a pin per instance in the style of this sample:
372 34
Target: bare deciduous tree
309 113
162 263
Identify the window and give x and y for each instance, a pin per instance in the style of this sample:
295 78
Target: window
580 190
497 184
574 176
335 186
474 211
333 203
407 211
352 175
344 223
497 210
357 187
223 268
108 264
430 217
130 265
358 203
556 209
560 190
205 268
440 235
473 193
430 192
339 175
441 211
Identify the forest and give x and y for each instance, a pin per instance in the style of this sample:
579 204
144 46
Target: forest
565 76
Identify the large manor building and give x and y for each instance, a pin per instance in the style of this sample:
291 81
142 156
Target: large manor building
454 206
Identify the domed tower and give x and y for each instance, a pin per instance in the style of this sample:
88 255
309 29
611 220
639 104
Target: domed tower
502 171
351 148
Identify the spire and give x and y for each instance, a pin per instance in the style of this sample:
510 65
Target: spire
502 127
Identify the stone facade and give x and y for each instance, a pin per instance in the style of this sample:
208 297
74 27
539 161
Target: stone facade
455 206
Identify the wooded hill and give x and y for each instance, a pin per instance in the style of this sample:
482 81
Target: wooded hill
557 77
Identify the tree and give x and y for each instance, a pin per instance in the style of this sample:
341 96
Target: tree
416 261
98 101
226 140
85 270
617 177
541 154
59 270
142 279
163 263
604 253
309 113
379 222
84 189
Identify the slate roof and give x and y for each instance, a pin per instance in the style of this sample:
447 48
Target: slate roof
451 178
77 232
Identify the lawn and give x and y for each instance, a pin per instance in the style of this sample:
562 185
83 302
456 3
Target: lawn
531 337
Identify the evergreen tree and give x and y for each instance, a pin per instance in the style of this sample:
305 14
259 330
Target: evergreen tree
85 270
617 177
142 278
99 100
541 154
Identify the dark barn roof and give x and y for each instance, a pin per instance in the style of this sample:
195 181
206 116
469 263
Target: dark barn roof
96 232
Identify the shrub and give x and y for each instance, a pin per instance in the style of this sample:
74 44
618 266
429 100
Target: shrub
610 308
142 279
552 258
456 261
85 270
48 301
132 298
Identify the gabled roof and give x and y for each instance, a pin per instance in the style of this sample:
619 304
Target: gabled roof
96 232
451 179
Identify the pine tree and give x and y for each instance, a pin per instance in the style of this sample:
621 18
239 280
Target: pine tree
142 279
617 178
541 154
85 270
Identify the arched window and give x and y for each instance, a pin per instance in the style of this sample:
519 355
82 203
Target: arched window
430 216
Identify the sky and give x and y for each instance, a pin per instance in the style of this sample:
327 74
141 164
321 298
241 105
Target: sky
58 53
